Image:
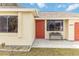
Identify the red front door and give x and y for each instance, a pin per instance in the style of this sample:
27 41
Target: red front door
40 28
77 31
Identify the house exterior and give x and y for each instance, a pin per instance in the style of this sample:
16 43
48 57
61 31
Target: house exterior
16 27
67 23
19 27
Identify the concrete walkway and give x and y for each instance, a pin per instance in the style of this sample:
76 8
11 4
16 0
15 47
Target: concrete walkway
55 44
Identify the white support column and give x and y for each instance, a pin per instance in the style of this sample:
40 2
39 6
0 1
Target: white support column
28 28
71 29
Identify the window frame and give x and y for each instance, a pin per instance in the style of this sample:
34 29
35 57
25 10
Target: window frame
54 21
7 24
11 34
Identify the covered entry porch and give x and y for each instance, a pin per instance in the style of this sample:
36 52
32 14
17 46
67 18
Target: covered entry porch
70 36
69 29
51 29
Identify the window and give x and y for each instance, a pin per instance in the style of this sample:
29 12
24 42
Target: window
54 25
8 24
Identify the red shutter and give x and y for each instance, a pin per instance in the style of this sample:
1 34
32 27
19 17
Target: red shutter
77 31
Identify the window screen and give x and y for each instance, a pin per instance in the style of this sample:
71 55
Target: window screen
55 25
8 24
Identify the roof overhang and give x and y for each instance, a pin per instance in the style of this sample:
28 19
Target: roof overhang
34 11
57 15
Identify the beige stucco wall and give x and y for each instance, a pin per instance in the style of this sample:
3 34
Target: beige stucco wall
25 35
8 38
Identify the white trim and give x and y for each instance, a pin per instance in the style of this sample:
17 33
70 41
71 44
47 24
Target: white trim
8 33
57 18
9 14
45 28
34 11
16 9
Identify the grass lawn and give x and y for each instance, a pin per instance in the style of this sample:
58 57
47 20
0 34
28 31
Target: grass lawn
44 52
